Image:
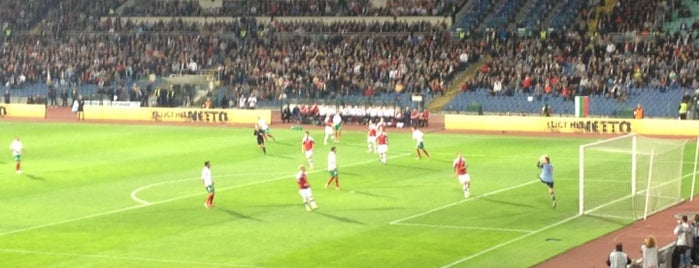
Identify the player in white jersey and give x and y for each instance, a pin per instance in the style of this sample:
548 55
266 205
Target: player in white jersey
371 137
265 128
17 147
332 169
420 145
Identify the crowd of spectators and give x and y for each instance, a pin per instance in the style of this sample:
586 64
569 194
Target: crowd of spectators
275 60
265 62
273 8
568 63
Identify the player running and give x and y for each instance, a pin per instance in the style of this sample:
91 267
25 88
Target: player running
305 189
460 171
265 128
260 135
417 136
307 145
332 169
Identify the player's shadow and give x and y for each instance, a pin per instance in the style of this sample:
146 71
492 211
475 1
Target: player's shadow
240 215
416 167
34 177
505 202
338 218
371 194
280 156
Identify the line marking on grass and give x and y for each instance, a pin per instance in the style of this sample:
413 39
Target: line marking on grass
465 227
495 247
112 257
462 201
169 200
134 193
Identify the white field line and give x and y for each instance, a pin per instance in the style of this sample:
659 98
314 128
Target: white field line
398 221
465 227
134 193
112 257
110 212
495 247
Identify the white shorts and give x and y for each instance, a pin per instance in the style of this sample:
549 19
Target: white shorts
382 148
329 130
309 153
463 179
371 139
306 194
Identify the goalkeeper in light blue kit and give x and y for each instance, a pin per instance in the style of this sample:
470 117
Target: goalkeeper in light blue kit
546 175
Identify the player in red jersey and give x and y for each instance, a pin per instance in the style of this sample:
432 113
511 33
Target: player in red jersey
307 145
371 137
305 189
461 172
329 130
382 145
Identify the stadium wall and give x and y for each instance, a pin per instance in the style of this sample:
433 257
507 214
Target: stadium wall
181 115
535 124
22 111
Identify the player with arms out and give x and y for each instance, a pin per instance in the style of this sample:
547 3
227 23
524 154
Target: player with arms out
371 137
305 189
208 184
460 171
546 176
17 147
332 169
307 145
420 146
382 145
260 138
265 128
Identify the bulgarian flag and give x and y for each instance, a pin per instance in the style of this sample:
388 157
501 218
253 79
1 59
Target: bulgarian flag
582 106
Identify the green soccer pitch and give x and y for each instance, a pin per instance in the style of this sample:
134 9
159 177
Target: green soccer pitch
98 195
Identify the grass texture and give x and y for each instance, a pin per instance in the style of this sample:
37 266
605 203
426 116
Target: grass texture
98 195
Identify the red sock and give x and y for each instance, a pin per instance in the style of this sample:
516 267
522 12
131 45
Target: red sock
418 153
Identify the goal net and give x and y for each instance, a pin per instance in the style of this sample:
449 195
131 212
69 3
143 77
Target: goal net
631 176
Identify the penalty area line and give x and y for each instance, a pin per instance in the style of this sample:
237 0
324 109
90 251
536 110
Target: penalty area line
498 246
466 227
461 201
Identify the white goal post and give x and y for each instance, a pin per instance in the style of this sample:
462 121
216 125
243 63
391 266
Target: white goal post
631 176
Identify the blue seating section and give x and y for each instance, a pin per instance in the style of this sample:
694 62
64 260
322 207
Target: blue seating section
476 10
502 14
656 103
562 16
536 13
